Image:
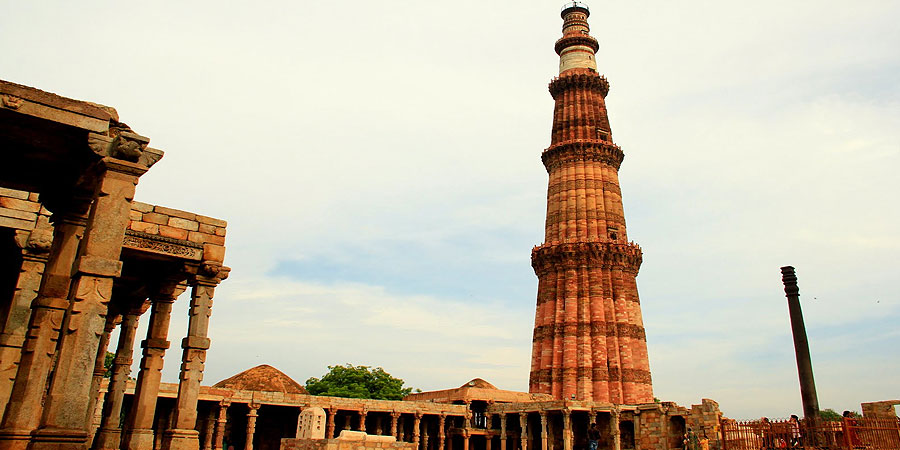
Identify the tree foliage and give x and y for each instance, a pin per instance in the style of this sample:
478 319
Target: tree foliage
107 364
358 382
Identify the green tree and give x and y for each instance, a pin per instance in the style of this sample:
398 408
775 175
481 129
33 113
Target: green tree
107 363
358 382
830 414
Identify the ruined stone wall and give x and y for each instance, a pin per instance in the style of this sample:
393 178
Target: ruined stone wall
349 440
880 410
704 419
652 434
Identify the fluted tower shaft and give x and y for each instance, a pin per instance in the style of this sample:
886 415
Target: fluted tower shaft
589 341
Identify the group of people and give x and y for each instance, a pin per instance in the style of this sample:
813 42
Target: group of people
776 438
692 441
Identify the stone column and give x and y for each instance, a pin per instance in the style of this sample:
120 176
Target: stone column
362 420
251 425
221 422
95 418
66 408
183 436
329 423
487 441
503 431
394 416
379 425
523 424
110 434
139 422
416 423
544 430
15 324
567 430
442 435
614 429
210 430
465 436
23 412
424 435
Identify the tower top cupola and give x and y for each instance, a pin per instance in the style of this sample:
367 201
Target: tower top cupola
576 49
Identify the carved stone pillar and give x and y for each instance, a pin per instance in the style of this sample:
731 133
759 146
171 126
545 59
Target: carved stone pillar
15 324
567 430
251 425
64 421
379 422
465 436
210 430
544 440
503 431
523 424
110 434
362 420
329 424
112 319
221 422
139 422
416 423
394 416
424 435
488 441
183 436
614 429
442 435
23 412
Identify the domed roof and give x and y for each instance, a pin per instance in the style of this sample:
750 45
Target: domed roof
262 378
479 383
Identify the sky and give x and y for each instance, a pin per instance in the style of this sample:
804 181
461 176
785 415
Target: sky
379 166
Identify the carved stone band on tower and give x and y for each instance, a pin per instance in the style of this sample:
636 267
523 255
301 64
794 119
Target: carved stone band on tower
589 341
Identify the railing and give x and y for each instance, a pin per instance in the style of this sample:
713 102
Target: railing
846 434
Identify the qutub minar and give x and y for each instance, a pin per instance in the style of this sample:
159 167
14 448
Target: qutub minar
589 341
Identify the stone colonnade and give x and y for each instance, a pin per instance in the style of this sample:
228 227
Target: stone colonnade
77 168
64 420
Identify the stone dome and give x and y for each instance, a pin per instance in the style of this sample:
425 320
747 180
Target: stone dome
478 383
262 378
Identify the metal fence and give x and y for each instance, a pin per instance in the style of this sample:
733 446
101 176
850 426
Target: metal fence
846 434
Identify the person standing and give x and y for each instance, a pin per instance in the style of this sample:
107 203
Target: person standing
594 436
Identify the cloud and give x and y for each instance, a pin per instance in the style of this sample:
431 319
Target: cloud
383 186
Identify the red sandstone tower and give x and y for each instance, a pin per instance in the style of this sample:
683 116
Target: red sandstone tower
589 341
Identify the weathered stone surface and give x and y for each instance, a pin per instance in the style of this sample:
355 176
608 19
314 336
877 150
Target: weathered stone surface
311 424
20 205
174 233
144 227
18 214
212 221
141 207
212 252
174 212
157 218
185 224
12 193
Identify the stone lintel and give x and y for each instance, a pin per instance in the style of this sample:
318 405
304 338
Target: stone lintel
44 105
161 245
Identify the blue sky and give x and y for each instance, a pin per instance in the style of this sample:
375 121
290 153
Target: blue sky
379 166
